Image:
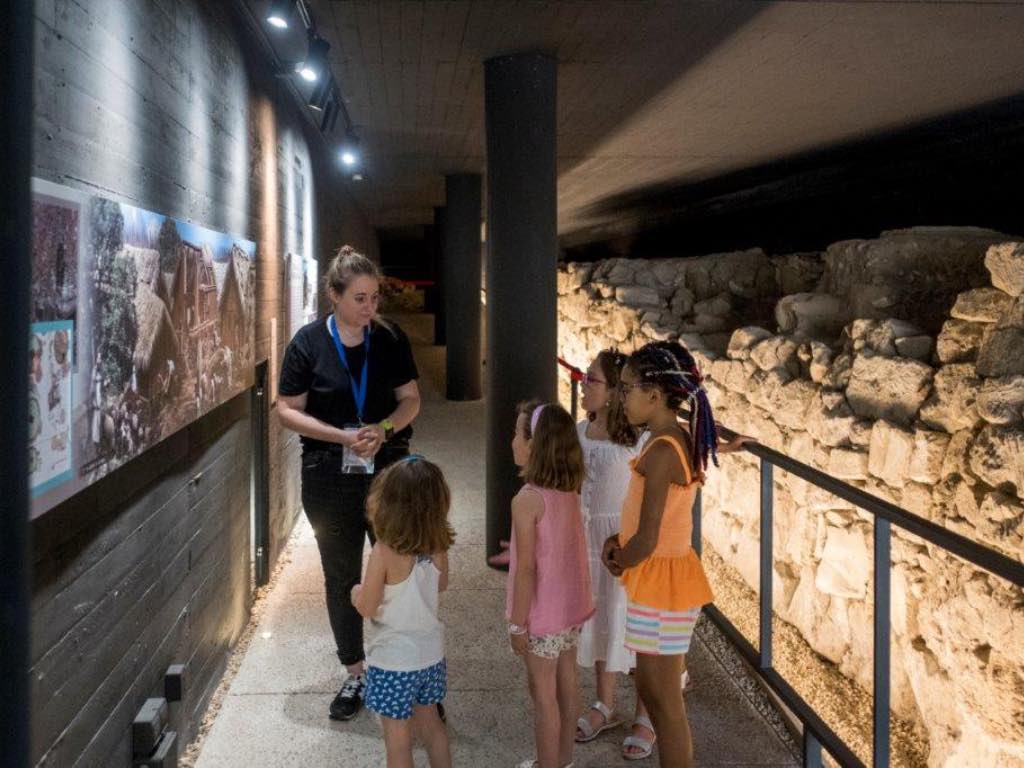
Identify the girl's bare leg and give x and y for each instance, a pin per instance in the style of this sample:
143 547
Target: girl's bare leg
657 683
542 674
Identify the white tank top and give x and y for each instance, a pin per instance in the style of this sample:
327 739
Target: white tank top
406 633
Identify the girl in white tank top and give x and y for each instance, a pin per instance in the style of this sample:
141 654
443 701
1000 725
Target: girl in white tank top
406 676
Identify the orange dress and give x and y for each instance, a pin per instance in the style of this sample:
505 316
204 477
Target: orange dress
672 578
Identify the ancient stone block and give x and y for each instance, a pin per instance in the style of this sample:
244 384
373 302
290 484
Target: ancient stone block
682 302
959 341
883 388
1002 349
637 296
838 374
1005 262
821 360
621 273
731 375
997 457
952 405
915 347
860 432
719 305
1001 401
776 352
743 339
890 453
829 427
848 464
845 564
981 305
811 315
928 455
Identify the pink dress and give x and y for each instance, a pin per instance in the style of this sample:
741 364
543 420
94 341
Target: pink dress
562 598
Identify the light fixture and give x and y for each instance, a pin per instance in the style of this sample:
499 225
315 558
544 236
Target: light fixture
357 177
316 58
321 95
350 150
330 117
278 13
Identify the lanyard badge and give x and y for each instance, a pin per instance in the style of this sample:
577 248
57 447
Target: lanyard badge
352 463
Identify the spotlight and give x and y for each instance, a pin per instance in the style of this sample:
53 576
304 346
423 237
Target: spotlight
350 150
278 13
316 59
321 95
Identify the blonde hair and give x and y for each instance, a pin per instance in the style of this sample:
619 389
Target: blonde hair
556 457
346 265
408 507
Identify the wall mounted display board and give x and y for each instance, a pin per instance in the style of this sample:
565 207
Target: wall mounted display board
141 323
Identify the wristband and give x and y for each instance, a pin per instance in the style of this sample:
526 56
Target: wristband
517 629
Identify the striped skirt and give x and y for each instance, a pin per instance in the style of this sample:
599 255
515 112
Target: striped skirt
657 632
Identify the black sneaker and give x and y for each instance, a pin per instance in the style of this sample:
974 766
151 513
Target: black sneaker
349 700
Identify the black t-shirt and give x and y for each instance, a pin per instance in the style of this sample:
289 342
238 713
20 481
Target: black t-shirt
311 365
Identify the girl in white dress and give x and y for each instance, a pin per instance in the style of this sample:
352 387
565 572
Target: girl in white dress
609 443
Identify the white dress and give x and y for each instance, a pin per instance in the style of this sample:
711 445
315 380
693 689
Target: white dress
603 638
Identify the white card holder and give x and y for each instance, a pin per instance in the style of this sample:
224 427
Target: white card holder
351 462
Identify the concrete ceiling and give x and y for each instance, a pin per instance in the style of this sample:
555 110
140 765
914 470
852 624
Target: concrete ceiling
653 92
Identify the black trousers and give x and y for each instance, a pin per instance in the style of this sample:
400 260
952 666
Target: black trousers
335 504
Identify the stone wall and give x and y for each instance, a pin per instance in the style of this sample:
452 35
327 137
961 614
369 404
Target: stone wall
897 365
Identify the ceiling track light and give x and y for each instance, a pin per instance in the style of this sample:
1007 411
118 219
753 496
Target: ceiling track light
322 94
330 118
279 12
316 59
350 150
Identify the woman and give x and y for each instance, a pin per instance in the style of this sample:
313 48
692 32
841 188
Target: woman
348 387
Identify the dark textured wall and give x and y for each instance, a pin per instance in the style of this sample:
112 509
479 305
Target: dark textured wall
169 105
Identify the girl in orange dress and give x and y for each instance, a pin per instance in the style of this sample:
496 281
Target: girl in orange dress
662 575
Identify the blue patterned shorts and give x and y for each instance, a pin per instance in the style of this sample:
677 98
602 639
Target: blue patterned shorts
392 694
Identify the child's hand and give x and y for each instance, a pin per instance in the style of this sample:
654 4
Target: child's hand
520 644
355 593
610 545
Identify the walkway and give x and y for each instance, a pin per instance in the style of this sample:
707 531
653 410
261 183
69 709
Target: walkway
275 712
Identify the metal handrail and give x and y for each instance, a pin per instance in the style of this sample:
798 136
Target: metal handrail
817 734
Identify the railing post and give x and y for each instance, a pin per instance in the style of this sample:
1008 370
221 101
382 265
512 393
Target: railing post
883 545
574 398
767 515
811 749
698 511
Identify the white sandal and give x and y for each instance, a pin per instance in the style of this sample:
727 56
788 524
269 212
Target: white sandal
590 732
687 682
639 742
532 763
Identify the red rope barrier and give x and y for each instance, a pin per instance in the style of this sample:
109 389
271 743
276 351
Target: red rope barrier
575 373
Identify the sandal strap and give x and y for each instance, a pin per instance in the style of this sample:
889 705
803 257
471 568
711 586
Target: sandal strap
605 712
645 722
637 741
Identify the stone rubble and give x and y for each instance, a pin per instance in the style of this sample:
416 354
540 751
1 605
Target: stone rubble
896 364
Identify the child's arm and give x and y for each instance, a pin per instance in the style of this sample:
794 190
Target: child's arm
526 510
441 563
661 466
366 597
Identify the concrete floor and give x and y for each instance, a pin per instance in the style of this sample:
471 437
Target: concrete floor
275 712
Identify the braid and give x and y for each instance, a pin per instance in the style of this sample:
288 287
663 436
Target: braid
670 367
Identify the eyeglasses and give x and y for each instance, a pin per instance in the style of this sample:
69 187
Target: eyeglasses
589 381
625 388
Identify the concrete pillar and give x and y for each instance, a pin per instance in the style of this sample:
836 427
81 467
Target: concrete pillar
462 285
522 320
16 244
439 323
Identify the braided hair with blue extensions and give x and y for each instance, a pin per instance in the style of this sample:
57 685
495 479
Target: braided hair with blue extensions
670 367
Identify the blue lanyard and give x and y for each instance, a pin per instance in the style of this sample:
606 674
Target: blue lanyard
358 390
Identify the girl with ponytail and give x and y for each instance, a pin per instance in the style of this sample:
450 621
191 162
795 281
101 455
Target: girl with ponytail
664 582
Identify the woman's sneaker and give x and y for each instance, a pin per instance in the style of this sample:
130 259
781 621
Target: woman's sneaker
349 700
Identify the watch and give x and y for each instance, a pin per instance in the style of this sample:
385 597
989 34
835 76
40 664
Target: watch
389 428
